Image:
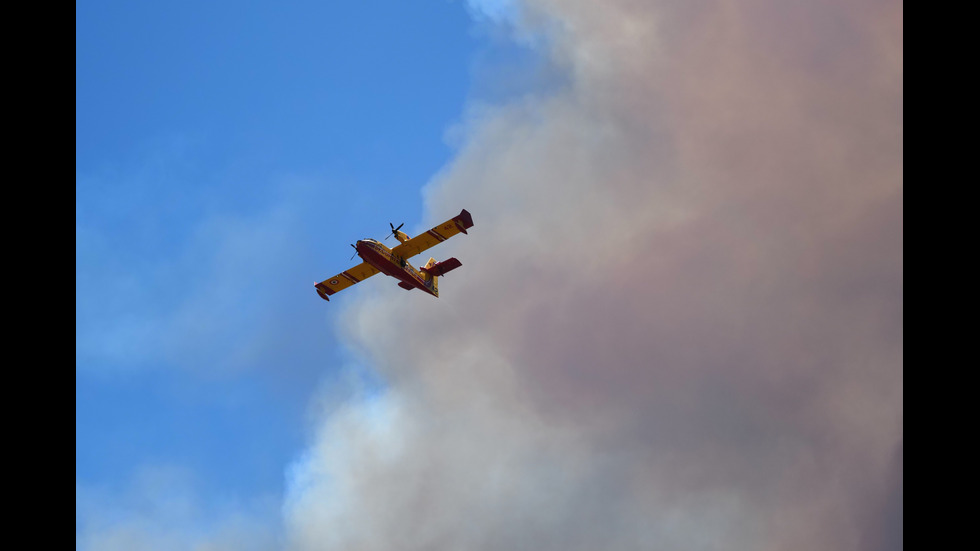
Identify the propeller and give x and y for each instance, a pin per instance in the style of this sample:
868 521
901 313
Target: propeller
355 252
394 229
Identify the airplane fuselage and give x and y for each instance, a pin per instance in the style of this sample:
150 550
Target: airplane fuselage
381 257
377 258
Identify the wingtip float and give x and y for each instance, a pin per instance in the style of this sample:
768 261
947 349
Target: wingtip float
394 262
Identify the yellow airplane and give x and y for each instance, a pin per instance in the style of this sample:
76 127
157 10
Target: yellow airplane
394 262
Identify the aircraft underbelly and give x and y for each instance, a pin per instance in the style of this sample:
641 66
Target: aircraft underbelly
392 268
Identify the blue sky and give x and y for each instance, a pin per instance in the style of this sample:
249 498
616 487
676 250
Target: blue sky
225 155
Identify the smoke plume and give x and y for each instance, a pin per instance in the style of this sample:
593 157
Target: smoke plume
678 324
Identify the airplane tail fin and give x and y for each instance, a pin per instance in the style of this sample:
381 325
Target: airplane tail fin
432 270
431 279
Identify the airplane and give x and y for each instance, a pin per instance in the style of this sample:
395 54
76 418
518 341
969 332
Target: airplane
394 262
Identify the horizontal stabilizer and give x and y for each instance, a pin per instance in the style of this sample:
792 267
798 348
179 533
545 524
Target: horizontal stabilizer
442 267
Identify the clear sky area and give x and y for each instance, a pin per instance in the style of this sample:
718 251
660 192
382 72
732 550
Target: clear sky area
678 323
226 155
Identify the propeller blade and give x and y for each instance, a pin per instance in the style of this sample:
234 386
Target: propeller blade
355 251
394 229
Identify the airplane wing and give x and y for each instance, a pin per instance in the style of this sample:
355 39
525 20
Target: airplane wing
434 236
344 280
